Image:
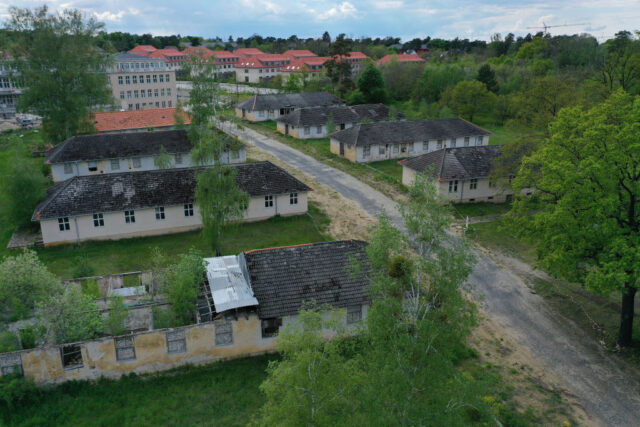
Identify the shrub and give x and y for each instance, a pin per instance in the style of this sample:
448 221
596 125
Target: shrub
7 342
16 390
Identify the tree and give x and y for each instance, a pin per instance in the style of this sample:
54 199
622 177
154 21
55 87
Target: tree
24 187
70 316
400 78
487 76
541 100
182 286
620 61
587 218
24 282
469 98
371 85
62 69
339 71
217 194
292 84
118 313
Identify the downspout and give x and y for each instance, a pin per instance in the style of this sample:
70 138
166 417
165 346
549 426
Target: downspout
276 201
461 189
75 221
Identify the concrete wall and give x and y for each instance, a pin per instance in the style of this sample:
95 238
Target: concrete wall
256 75
150 350
146 102
399 151
81 168
299 132
257 115
464 193
115 227
350 151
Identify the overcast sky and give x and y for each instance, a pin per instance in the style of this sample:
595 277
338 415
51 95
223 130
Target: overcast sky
310 18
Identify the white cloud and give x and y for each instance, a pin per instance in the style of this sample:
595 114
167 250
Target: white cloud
340 11
388 4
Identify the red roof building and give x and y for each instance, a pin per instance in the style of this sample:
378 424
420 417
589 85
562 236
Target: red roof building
173 57
401 57
136 120
313 64
248 51
143 49
298 54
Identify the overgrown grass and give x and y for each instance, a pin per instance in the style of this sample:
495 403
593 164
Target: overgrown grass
385 176
493 235
119 256
217 394
480 209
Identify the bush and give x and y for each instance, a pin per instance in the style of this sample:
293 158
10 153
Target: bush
30 336
90 288
7 342
16 390
83 267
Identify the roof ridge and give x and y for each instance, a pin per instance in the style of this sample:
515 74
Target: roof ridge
50 197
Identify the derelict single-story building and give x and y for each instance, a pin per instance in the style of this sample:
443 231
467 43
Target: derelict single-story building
370 142
259 108
119 205
311 122
127 152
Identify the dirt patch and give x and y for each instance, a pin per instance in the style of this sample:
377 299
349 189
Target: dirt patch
348 220
534 387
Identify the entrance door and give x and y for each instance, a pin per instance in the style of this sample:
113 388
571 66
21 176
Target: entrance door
342 149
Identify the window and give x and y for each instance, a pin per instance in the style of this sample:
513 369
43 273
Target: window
148 78
71 356
164 104
68 168
155 78
396 148
98 220
169 104
162 92
307 130
293 198
473 184
188 209
453 186
11 364
511 178
268 201
439 144
466 141
453 142
167 78
129 95
492 183
130 217
270 327
137 163
319 129
136 94
178 159
93 166
425 146
135 80
224 334
121 94
137 106
119 80
161 78
149 93
130 106
157 105
63 224
176 343
235 155
155 93
141 78
366 151
125 350
126 79
168 92
381 150
479 140
509 198
142 94
160 213
354 314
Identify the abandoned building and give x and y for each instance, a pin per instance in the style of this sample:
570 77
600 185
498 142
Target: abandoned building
259 108
246 299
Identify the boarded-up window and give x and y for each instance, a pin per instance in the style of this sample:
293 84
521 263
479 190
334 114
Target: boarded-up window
10 364
71 356
354 314
125 350
224 334
176 343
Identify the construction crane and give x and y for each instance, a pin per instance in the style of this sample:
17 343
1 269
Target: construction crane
546 27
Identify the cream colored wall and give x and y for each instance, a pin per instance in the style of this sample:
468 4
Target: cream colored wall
115 227
116 88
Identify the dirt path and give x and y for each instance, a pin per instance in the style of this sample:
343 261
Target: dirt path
608 393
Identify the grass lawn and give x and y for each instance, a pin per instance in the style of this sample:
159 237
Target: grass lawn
480 209
385 176
217 394
120 256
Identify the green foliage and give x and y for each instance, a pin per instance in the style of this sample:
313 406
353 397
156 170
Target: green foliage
293 84
24 282
30 336
619 63
24 187
163 160
469 98
435 79
587 178
339 72
182 285
83 267
118 313
8 342
70 316
371 85
331 125
487 76
400 78
17 391
90 288
60 65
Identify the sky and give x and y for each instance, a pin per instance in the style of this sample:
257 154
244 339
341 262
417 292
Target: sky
473 19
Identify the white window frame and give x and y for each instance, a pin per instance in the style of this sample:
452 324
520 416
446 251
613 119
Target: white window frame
64 224
188 209
466 141
68 168
115 164
136 162
98 220
268 201
453 186
307 130
473 184
130 217
293 198
160 215
125 348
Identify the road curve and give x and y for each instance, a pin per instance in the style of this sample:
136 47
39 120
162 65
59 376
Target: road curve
609 395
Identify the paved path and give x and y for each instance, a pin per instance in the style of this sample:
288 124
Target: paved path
610 397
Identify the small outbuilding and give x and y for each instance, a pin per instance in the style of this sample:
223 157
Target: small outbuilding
259 108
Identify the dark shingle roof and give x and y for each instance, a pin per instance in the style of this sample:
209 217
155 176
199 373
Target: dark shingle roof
317 116
404 132
283 278
297 100
456 163
83 195
119 145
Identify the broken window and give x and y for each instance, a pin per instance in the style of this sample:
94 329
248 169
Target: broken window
178 159
93 166
270 327
68 168
10 364
115 165
125 350
453 186
176 342
71 356
137 162
354 314
224 334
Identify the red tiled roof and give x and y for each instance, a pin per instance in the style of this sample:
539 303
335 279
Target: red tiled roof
299 53
169 55
225 54
136 119
248 51
201 51
305 63
401 57
256 61
143 49
358 55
